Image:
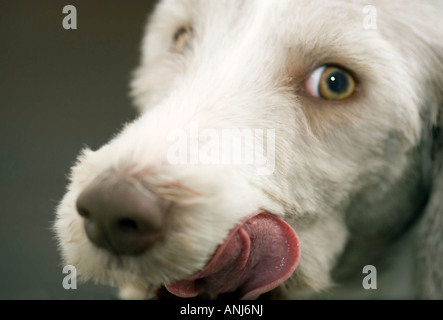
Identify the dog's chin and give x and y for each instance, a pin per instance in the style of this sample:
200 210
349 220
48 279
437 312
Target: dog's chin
258 255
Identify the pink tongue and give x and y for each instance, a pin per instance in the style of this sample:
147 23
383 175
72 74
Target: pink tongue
256 257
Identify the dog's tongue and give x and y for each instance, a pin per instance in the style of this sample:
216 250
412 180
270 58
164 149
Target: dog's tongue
256 257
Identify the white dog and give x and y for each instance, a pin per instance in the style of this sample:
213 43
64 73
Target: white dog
335 108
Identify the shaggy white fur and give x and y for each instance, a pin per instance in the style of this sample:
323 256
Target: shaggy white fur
351 176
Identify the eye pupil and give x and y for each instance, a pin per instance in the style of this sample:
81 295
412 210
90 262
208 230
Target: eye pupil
338 82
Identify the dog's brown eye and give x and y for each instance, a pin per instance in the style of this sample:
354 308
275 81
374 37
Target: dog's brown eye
330 83
181 39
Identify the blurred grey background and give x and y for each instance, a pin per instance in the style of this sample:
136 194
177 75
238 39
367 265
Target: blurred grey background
59 91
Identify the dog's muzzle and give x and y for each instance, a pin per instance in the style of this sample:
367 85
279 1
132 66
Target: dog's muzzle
258 254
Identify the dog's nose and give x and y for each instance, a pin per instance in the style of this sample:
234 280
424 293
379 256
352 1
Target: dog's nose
121 217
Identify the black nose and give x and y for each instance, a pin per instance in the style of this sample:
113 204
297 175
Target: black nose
122 217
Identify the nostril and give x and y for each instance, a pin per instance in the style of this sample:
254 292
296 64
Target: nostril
84 213
128 225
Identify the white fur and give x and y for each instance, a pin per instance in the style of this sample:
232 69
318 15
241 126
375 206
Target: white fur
345 173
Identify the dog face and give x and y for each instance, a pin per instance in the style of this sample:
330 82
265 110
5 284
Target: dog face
340 113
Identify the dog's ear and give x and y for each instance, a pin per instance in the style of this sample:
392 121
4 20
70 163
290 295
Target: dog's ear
430 230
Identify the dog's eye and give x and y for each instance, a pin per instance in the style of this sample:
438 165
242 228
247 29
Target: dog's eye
181 39
330 83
